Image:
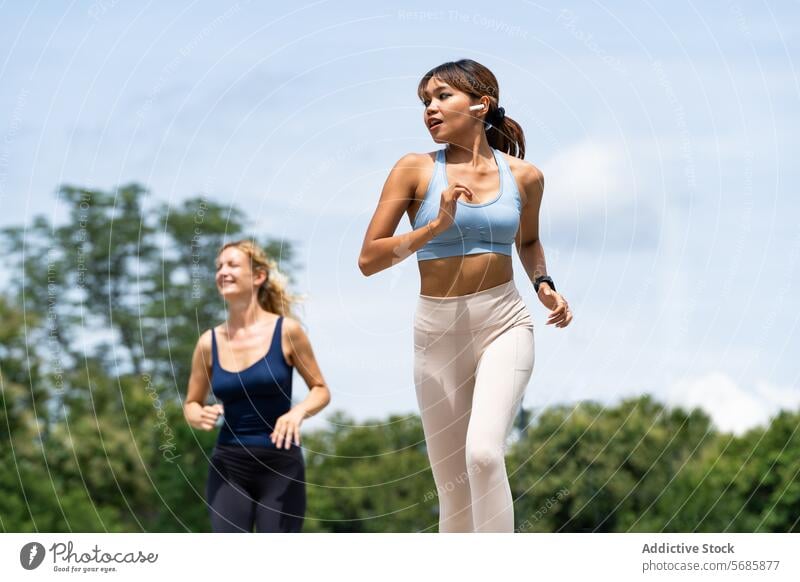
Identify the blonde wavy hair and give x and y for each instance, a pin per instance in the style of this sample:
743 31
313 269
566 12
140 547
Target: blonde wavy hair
273 294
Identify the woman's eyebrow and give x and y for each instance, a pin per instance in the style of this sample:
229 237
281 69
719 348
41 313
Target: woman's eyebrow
435 89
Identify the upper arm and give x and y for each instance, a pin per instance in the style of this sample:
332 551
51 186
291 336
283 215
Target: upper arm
200 376
302 355
398 193
532 181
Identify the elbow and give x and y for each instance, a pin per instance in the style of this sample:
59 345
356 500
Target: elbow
365 265
322 397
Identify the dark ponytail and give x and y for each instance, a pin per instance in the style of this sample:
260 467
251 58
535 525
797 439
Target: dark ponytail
502 132
505 134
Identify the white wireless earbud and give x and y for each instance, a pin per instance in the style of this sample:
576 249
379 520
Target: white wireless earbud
476 107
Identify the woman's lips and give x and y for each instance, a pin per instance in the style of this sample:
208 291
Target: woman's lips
436 125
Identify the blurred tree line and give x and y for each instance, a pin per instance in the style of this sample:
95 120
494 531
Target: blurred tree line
101 313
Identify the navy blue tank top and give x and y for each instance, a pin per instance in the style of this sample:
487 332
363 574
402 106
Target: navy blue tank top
254 398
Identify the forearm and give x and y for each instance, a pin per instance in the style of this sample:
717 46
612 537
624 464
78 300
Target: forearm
386 252
191 411
532 257
318 398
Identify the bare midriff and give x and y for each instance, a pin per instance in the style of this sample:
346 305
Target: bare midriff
462 275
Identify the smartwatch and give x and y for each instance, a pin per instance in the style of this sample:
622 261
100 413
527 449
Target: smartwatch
541 278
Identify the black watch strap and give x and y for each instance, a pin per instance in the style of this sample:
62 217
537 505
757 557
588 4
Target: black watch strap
541 278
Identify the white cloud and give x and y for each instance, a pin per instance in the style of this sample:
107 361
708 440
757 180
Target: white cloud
732 408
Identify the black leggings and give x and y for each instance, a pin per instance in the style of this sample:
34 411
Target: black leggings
258 486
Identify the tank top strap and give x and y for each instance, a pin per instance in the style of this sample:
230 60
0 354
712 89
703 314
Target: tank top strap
510 183
432 191
276 335
438 177
214 358
502 164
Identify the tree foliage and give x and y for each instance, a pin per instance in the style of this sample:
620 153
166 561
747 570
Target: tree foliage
100 319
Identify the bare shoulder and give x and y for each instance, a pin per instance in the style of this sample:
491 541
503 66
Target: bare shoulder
204 345
293 329
294 337
205 339
530 179
415 171
416 160
412 165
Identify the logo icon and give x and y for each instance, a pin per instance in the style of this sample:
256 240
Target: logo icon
31 555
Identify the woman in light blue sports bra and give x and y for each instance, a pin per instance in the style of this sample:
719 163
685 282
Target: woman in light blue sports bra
468 204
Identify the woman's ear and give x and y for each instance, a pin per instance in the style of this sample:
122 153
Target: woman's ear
486 103
260 277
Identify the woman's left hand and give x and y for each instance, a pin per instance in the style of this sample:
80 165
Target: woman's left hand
560 313
287 428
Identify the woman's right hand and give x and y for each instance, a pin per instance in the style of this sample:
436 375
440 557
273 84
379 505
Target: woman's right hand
206 417
447 204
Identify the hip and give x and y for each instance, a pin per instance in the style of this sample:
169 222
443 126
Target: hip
256 459
497 308
253 467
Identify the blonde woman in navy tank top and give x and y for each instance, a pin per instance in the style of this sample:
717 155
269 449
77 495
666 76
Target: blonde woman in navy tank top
257 471
468 203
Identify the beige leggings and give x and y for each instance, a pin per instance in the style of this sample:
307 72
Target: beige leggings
473 358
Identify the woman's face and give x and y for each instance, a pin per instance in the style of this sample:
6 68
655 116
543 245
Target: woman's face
447 111
234 276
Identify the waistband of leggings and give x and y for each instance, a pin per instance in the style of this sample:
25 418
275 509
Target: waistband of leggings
496 292
256 451
497 306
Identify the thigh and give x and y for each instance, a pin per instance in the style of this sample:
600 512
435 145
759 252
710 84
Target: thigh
230 505
444 377
503 372
280 491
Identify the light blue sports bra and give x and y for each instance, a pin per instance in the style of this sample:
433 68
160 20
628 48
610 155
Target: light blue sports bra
489 227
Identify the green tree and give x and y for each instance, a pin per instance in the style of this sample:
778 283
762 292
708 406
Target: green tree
102 314
114 299
372 477
590 468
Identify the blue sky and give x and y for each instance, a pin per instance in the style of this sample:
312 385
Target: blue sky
664 132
